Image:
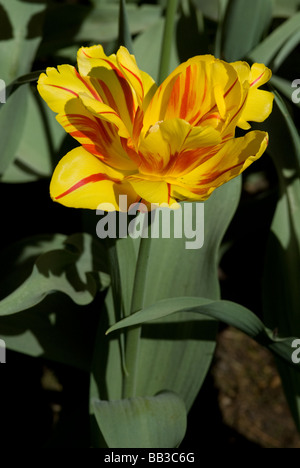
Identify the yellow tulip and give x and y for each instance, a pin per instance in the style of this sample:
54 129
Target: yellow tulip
158 145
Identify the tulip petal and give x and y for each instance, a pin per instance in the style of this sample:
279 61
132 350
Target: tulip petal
258 106
95 135
103 111
152 191
81 180
231 160
167 148
127 64
178 94
259 75
59 86
110 82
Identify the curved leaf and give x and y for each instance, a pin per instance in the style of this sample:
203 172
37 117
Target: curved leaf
68 270
229 312
142 422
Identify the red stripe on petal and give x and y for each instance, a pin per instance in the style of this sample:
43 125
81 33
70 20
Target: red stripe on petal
109 97
89 88
257 79
65 89
84 53
231 87
239 110
186 95
169 193
136 77
86 180
128 95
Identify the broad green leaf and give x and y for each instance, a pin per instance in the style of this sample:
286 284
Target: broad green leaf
124 38
268 48
222 6
209 9
169 352
68 270
12 120
81 23
56 328
167 40
229 312
142 422
19 40
244 24
286 50
39 145
108 358
282 270
285 8
175 353
147 50
20 37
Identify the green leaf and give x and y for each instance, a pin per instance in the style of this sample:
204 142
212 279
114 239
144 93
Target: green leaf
124 38
209 9
168 40
229 312
12 120
142 422
267 49
81 23
282 267
68 270
147 49
169 354
56 327
174 353
286 50
20 37
285 8
244 24
39 145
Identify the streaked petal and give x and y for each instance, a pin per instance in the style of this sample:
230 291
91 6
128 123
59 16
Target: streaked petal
89 58
165 148
258 105
181 90
59 86
80 180
103 111
97 136
127 64
232 158
259 75
109 81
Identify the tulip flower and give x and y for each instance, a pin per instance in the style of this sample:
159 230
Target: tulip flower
156 145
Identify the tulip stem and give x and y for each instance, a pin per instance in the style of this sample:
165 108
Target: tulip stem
167 40
134 333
